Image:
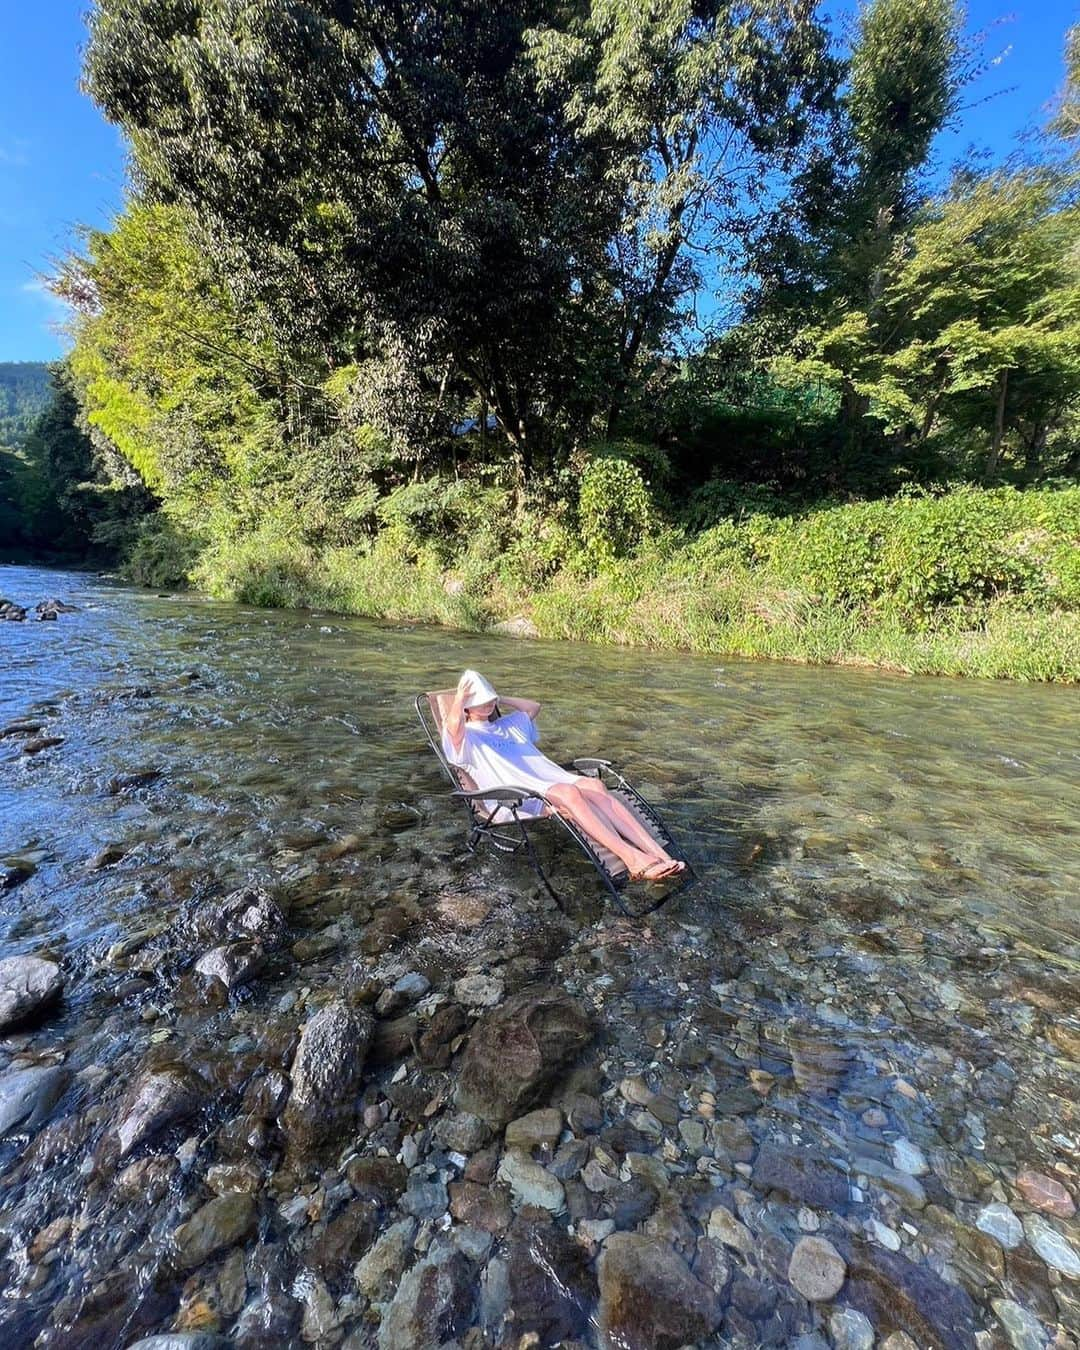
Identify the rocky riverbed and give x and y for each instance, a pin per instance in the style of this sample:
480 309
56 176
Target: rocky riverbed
281 1065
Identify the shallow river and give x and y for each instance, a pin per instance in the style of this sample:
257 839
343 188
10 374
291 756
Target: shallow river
824 1095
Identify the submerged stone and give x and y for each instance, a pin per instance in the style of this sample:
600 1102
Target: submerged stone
28 985
999 1221
516 1051
220 1223
816 1270
28 1095
326 1073
649 1300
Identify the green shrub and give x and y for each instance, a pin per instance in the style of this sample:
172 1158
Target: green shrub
613 507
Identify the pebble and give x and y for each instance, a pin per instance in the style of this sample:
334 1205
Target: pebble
999 1221
808 1220
816 1269
851 1330
909 1158
531 1184
1025 1331
479 991
1043 1192
889 1238
725 1226
536 1129
1054 1248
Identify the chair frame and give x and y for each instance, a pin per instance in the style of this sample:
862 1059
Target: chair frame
513 837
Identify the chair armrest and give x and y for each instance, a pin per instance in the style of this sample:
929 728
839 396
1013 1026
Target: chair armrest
592 766
498 795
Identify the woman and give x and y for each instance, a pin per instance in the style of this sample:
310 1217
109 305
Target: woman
498 749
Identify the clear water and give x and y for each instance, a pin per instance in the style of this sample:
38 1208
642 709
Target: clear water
885 917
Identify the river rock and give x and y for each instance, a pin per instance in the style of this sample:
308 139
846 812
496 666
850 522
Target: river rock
530 1183
1054 1247
28 1095
999 1221
479 991
850 1330
479 1206
727 1228
908 1157
245 914
378 1272
326 1074
434 1303
901 1185
1024 1330
1041 1192
183 1340
220 1223
902 1295
233 964
816 1269
802 1175
649 1300
517 1050
158 1098
462 1132
521 626
550 1283
534 1130
28 985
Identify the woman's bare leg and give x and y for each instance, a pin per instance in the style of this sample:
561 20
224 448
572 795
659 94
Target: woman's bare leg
621 818
578 807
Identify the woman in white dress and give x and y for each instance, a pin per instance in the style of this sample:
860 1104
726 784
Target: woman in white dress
498 749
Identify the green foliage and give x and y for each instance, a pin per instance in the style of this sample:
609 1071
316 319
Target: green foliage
613 508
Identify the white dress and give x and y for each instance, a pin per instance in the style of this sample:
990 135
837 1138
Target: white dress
503 753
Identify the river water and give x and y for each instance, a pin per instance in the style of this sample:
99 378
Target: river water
858 1025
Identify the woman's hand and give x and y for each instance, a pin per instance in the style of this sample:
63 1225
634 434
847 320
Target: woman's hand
528 706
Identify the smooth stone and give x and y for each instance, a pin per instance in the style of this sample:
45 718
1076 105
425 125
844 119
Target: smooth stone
220 1223
816 1270
536 1129
28 1095
803 1175
595 1230
1025 1331
900 1185
851 1330
1054 1248
157 1099
1000 1223
908 1157
516 1051
1043 1192
649 1300
182 1340
28 985
530 1183
725 1226
889 1238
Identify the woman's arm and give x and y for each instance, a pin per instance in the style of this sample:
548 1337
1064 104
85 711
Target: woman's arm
529 706
454 721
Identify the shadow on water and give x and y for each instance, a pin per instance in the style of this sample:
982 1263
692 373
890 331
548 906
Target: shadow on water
859 1025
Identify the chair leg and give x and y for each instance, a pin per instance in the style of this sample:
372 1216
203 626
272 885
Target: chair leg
535 862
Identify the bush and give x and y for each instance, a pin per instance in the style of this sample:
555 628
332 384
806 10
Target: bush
613 507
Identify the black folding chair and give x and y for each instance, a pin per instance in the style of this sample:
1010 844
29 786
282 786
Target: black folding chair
494 817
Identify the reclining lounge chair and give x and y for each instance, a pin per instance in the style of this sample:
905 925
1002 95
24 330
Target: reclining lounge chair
494 819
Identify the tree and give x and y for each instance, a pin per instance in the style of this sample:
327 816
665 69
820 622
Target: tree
977 326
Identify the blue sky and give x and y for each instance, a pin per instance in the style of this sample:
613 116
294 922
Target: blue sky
61 165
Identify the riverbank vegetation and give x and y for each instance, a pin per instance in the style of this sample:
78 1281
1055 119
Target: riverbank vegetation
654 326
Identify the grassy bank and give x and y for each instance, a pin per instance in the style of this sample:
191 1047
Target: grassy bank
970 582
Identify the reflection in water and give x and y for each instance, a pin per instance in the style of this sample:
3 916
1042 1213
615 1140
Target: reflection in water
861 1023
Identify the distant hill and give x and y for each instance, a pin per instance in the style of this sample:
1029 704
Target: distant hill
25 392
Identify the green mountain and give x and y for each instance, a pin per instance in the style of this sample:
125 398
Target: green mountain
25 393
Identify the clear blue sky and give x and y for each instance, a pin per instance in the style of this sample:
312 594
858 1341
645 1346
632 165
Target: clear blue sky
61 165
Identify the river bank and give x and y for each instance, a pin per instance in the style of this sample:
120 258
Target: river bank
972 582
318 1078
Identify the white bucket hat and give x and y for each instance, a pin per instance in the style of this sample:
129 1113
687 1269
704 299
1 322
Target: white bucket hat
478 690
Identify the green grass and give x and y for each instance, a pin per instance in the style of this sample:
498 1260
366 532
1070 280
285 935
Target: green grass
978 583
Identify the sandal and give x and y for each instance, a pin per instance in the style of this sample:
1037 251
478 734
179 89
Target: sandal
650 873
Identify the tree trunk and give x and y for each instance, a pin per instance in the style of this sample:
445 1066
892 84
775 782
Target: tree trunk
999 426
